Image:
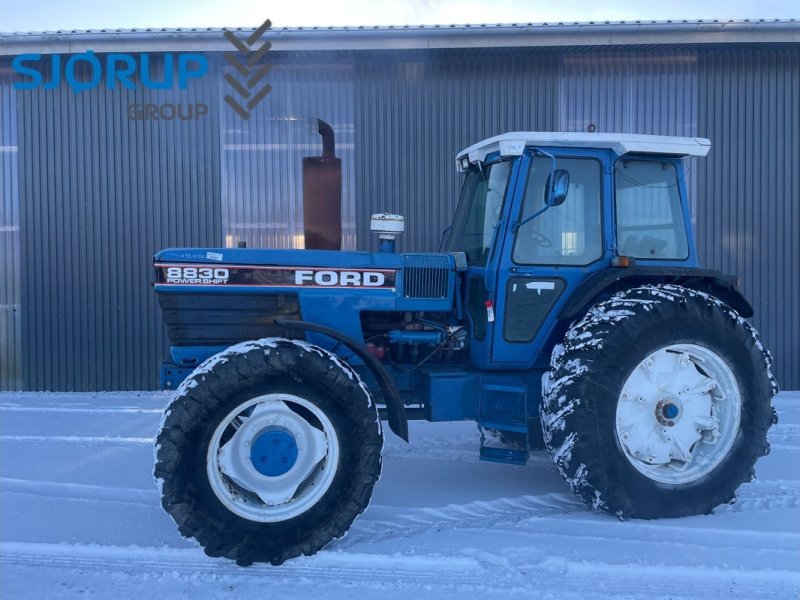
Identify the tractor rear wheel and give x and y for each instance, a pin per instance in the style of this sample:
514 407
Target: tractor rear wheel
267 451
657 404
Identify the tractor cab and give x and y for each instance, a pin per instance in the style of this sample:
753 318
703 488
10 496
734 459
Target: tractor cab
540 214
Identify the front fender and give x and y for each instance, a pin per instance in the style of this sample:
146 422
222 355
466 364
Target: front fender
395 409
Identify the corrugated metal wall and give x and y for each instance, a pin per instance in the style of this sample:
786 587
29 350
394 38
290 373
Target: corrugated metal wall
631 92
262 194
10 314
99 195
749 201
414 111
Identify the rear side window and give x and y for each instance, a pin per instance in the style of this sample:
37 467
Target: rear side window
649 215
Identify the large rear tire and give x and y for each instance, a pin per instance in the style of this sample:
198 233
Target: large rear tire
267 451
658 403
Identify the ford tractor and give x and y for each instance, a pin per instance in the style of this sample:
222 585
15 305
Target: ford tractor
566 312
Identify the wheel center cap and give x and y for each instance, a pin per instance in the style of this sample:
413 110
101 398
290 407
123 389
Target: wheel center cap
670 411
273 452
667 412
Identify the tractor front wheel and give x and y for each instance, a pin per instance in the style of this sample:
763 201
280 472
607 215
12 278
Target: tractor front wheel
657 404
268 451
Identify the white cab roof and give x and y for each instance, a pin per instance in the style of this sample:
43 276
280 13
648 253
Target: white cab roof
513 144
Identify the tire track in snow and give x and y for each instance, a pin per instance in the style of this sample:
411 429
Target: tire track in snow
80 491
326 565
511 514
481 513
469 453
474 570
78 440
457 448
763 495
785 437
82 410
539 514
785 431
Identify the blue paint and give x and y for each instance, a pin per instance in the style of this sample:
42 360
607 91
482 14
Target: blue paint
671 411
192 356
274 452
110 68
415 337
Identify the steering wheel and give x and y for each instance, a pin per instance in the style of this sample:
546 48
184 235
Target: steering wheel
541 240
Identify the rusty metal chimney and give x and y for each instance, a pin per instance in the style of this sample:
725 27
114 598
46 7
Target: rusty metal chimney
322 195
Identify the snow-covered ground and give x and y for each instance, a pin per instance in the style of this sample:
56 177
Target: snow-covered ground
80 517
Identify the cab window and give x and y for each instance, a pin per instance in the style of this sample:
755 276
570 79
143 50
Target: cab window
479 210
569 234
649 217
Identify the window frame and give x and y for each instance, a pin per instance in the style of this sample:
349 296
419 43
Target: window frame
600 209
491 161
682 207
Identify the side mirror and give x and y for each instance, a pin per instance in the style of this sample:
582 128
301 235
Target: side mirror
557 186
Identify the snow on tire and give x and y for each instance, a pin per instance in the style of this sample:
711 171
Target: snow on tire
657 403
268 450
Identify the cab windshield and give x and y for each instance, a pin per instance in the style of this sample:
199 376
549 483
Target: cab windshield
479 210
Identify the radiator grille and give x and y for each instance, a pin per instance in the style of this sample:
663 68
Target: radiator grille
425 276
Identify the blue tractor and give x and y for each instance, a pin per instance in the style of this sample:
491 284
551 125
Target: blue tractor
567 312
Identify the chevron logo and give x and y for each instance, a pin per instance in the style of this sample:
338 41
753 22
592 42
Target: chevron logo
249 90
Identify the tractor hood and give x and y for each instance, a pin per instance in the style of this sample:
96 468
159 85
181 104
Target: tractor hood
243 291
278 258
406 276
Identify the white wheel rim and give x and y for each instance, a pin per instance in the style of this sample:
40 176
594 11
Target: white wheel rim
678 413
299 484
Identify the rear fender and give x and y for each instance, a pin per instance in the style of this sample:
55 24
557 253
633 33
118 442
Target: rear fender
608 281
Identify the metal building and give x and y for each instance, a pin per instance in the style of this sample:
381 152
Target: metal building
91 188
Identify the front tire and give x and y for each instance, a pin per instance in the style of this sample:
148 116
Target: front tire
267 451
657 404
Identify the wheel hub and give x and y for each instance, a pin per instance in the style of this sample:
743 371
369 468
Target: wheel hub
272 457
678 413
274 452
667 411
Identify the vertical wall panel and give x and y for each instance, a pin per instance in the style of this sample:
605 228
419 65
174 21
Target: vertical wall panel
749 209
634 91
99 194
10 334
414 111
262 192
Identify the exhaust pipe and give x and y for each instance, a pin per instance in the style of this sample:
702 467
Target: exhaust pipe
322 195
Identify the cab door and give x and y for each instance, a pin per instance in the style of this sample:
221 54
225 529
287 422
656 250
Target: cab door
543 260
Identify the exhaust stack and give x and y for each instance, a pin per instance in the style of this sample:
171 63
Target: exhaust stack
322 195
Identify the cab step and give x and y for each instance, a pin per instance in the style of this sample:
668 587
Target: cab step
508 456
